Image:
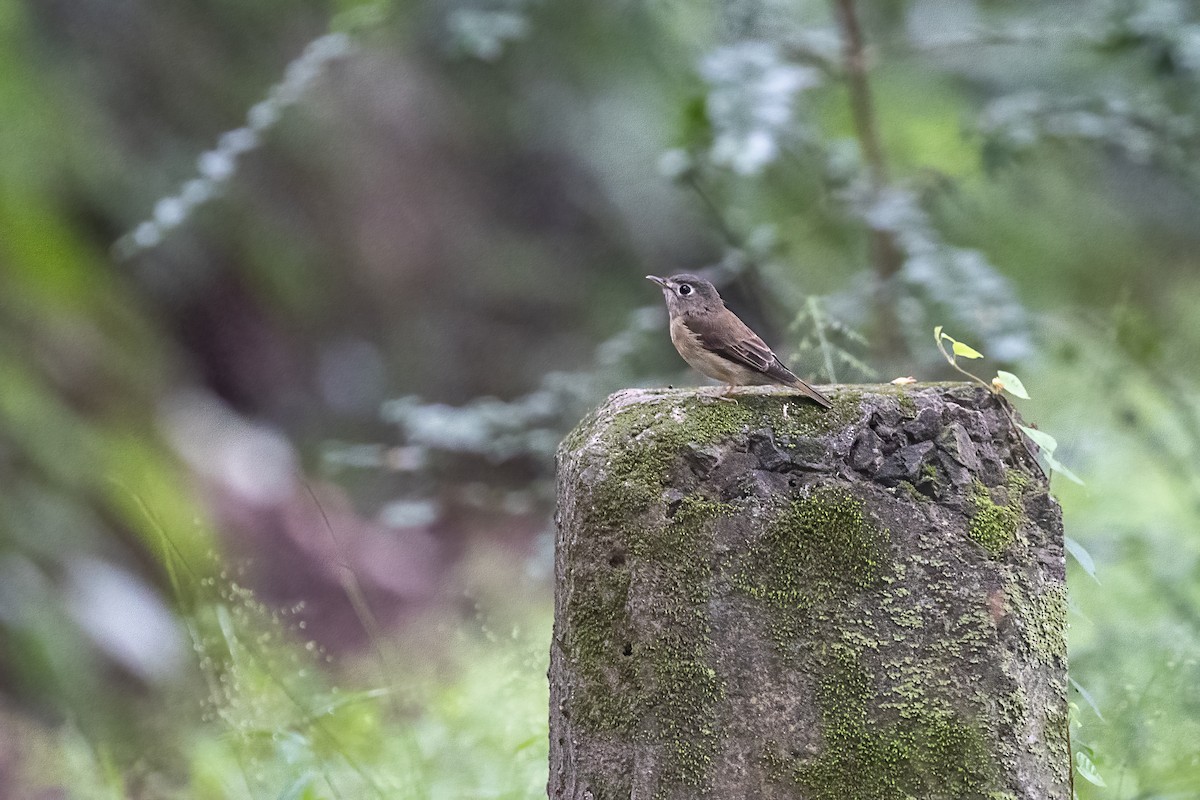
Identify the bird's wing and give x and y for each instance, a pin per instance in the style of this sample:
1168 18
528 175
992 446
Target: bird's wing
726 335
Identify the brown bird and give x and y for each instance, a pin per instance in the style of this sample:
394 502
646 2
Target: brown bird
715 342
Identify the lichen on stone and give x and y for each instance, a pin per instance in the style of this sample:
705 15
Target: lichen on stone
1043 620
931 753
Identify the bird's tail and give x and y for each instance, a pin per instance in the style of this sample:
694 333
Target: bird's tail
813 394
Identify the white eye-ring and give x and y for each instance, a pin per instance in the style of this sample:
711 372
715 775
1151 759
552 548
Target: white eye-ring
685 289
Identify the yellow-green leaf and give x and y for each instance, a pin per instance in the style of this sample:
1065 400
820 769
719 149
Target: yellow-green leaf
965 350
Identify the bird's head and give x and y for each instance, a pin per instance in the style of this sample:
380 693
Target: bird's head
687 294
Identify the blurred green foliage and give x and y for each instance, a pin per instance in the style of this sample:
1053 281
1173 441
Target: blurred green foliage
304 209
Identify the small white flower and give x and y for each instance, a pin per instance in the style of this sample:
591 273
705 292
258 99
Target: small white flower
169 212
751 102
674 163
238 141
262 115
196 191
483 34
146 235
216 165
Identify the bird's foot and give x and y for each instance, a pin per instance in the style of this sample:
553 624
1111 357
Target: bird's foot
726 395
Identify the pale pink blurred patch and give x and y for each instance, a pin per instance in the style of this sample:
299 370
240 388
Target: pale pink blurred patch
300 539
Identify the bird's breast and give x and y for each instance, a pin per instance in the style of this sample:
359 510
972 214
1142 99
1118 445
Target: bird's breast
703 360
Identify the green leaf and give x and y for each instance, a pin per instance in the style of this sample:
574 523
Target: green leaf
1082 556
1045 442
965 350
1061 468
348 699
1087 770
1012 384
1087 697
1048 444
937 334
695 128
537 739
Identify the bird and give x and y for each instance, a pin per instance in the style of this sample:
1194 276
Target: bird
714 341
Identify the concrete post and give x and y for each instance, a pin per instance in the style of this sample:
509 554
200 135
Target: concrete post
768 600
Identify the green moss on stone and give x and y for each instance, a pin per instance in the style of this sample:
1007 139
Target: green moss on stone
577 436
685 693
651 676
913 492
933 753
814 550
645 439
643 442
599 629
992 525
631 680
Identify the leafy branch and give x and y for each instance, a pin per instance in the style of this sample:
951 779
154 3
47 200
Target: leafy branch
830 339
1004 382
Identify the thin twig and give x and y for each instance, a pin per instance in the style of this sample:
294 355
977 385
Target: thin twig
718 216
886 257
861 105
1004 404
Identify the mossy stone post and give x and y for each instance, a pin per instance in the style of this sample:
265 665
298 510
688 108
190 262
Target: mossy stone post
768 600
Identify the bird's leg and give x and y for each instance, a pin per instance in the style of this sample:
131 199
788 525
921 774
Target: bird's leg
727 394
724 394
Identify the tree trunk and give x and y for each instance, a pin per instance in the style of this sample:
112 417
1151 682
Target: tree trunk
768 600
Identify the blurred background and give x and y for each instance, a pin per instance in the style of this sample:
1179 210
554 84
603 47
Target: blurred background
297 298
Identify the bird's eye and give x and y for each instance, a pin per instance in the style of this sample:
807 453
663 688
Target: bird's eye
685 289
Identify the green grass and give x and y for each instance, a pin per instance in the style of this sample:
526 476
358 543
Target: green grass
270 715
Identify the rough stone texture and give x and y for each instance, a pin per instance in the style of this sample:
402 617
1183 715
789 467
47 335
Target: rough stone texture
767 600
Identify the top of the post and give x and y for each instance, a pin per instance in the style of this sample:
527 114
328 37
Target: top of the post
890 433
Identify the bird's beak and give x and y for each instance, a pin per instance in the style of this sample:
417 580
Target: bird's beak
660 281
